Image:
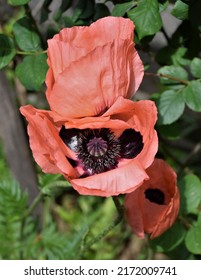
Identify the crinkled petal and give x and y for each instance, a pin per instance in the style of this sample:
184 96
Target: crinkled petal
92 84
72 44
48 149
114 182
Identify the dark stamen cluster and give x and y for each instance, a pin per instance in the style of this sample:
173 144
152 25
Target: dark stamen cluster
99 150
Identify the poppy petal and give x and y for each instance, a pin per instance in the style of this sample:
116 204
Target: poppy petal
94 81
48 149
146 215
125 69
72 43
120 180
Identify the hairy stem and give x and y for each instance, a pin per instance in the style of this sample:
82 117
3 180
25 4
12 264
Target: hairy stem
31 53
103 233
168 77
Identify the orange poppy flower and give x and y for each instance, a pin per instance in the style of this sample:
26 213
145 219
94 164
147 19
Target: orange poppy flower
99 140
89 67
153 207
104 155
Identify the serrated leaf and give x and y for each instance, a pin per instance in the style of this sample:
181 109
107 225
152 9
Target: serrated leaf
25 35
192 95
190 192
146 18
171 106
32 71
172 71
193 240
170 239
18 2
7 50
120 10
195 67
180 10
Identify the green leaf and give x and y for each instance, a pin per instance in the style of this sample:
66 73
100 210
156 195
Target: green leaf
170 55
180 10
120 10
65 4
193 240
101 10
172 131
195 67
13 204
26 36
146 17
32 71
7 50
83 10
170 239
190 192
172 71
192 94
171 106
163 4
18 2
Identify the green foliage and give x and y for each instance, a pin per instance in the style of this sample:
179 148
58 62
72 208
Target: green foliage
7 50
190 191
180 10
146 17
192 95
13 204
26 71
172 71
170 239
101 10
18 2
195 67
26 36
120 10
193 240
171 106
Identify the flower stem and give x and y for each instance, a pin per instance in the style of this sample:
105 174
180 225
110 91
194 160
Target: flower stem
31 53
102 234
33 205
168 77
118 205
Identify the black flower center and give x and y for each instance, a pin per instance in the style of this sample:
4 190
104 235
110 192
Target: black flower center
99 150
155 195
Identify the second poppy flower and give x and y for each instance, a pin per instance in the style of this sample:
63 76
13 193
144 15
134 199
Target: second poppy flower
153 207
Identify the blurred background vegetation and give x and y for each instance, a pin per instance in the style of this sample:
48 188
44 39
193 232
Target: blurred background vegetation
167 36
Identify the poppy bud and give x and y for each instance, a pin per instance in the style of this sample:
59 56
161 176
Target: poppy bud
153 207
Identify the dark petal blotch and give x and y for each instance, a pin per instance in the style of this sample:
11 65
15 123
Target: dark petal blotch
131 143
155 195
